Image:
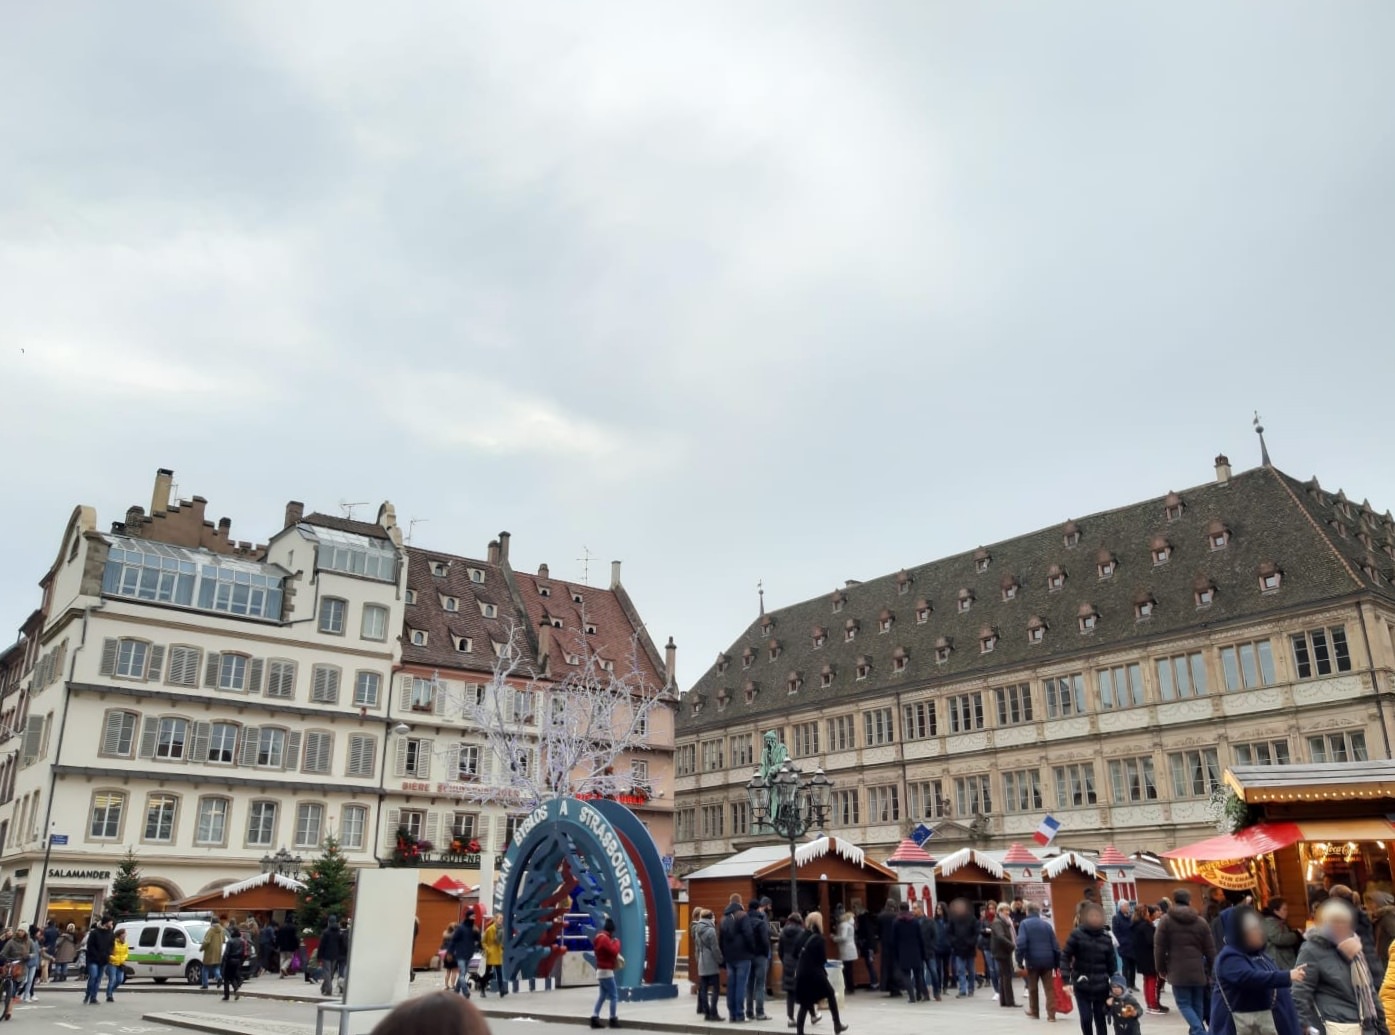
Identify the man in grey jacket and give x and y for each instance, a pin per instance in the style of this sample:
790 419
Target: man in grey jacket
709 964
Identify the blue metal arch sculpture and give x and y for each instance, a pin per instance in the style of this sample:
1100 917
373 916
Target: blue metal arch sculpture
597 857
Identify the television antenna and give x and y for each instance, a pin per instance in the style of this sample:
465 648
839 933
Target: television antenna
348 508
585 560
412 525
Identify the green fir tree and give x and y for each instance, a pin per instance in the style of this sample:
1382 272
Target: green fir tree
329 888
124 897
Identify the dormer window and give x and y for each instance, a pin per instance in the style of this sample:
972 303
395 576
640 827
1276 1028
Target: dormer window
697 705
722 662
1218 535
751 689
418 637
943 649
820 636
1161 549
1010 586
489 610
966 600
826 676
544 591
1143 609
440 569
987 640
903 582
575 659
450 603
1070 535
748 657
850 630
1087 618
774 649
1105 564
1205 592
898 659
838 599
464 644
1036 629
1270 577
1055 579
982 559
1173 507
795 682
590 628
922 611
577 598
767 626
1371 569
864 667
1339 528
556 623
885 621
723 697
477 576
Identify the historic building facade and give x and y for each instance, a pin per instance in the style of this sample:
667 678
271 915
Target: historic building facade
1104 671
206 702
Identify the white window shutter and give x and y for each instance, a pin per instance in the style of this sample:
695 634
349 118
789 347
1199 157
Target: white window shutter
399 765
332 686
198 750
394 823
251 744
291 759
210 670
404 702
108 664
453 762
255 667
424 759
438 700
111 732
148 734
156 664
433 828
486 763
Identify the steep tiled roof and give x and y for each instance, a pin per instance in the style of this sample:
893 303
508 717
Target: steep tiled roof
443 627
368 528
1270 521
614 634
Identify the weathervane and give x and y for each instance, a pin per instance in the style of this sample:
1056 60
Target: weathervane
760 588
1263 449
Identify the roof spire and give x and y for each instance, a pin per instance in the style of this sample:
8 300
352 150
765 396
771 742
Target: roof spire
760 588
1263 449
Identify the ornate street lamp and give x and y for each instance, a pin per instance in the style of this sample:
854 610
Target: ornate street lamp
283 862
786 803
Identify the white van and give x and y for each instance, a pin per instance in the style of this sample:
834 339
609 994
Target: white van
164 947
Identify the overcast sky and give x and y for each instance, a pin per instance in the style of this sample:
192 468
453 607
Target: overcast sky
794 292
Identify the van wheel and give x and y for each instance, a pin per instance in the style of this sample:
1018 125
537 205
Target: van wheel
161 981
193 973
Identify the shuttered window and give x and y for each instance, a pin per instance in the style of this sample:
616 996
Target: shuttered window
35 734
324 686
184 666
280 682
118 734
363 754
319 749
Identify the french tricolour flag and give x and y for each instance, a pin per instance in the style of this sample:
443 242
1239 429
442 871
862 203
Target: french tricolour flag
1046 833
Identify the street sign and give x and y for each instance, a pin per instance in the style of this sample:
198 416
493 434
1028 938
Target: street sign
667 860
58 839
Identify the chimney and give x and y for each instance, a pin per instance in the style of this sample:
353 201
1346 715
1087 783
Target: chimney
135 517
543 572
614 574
1222 469
503 548
670 662
295 510
160 498
493 555
225 529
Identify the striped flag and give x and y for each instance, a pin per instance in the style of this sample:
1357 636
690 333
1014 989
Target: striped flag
1046 833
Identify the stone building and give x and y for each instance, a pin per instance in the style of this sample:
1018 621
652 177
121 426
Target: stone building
207 702
1104 670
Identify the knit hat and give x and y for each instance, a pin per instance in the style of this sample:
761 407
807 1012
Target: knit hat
1117 981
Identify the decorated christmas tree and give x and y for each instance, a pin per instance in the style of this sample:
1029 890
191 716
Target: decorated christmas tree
329 888
124 898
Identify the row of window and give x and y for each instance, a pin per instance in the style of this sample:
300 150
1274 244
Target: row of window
334 619
174 738
166 574
1191 774
1243 666
184 666
160 820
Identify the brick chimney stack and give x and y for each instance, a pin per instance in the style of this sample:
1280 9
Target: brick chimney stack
503 548
1222 469
295 511
492 553
160 497
670 662
543 571
614 574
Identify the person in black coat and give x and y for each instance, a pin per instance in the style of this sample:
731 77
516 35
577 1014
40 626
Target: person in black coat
331 954
886 936
1087 960
963 944
909 954
865 931
463 944
792 937
929 934
811 976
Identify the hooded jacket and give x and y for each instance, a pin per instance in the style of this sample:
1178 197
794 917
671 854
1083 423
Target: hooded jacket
709 953
1326 992
1248 981
1183 948
213 940
910 951
735 938
792 937
963 935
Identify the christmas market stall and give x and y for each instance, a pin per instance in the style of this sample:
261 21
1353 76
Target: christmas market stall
916 869
1300 830
974 875
265 896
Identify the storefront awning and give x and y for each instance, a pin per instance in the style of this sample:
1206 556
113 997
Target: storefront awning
1256 840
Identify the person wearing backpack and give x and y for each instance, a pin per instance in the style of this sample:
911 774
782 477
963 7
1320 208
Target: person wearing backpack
234 955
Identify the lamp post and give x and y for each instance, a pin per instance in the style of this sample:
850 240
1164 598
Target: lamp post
283 863
787 803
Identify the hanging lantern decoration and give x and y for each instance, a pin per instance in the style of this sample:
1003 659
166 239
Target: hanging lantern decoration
1021 865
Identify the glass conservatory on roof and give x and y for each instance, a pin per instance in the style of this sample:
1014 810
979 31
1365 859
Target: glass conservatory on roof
352 554
164 574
